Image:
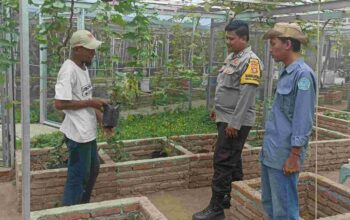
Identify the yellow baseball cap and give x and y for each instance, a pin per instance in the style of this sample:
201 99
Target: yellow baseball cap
85 39
292 30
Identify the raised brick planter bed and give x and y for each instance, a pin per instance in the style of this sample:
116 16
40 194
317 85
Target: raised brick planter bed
115 180
146 175
183 170
332 123
46 184
201 160
332 152
141 149
332 97
139 208
6 174
333 199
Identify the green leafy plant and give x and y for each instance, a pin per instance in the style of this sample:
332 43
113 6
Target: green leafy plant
166 124
118 150
8 34
55 27
125 88
58 156
8 44
340 115
47 140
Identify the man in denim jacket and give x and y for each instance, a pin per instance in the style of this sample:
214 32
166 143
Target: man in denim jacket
289 124
234 114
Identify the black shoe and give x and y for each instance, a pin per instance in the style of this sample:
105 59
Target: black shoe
226 202
210 213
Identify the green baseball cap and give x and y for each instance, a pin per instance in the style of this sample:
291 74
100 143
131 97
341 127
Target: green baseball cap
85 39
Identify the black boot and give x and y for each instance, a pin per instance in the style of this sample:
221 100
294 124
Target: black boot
214 211
226 202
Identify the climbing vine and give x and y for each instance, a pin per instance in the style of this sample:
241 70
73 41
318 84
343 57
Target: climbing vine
8 37
55 30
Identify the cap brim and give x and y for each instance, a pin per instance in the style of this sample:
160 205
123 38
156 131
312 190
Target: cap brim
272 33
93 44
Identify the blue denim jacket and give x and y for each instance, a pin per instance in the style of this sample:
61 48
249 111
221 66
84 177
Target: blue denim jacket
291 118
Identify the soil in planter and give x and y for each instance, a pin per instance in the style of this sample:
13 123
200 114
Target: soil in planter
129 216
46 160
201 144
140 151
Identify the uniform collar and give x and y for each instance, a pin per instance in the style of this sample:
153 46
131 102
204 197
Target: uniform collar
240 54
291 67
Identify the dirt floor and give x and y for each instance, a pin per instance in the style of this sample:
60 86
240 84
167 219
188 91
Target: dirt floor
175 205
8 205
181 204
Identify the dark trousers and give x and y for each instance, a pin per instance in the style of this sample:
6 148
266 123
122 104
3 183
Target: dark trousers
83 169
228 159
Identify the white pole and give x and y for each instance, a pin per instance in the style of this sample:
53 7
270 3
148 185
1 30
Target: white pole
24 51
43 77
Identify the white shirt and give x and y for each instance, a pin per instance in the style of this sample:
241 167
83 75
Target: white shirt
73 83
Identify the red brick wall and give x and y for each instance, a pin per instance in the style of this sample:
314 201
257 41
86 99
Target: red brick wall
115 180
6 174
332 97
123 179
332 199
331 155
122 209
333 124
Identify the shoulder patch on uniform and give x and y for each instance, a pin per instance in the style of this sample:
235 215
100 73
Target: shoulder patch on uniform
252 74
235 61
304 83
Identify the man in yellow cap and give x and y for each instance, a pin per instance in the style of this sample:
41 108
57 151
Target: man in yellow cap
73 95
289 124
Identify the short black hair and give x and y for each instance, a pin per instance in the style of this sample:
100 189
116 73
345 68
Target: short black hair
296 45
239 27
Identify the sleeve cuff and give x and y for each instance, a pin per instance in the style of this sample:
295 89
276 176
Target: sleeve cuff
299 141
235 124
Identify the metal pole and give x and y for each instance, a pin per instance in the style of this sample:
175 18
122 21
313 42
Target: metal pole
81 20
11 110
4 123
211 86
166 54
211 46
24 58
190 87
268 82
43 77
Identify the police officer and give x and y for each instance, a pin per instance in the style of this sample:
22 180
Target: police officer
289 124
234 114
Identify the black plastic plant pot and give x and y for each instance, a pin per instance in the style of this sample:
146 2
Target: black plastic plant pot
110 115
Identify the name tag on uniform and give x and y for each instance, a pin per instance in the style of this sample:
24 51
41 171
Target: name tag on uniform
252 74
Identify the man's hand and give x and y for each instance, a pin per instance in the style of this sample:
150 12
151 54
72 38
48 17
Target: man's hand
213 116
96 103
107 132
231 132
292 164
